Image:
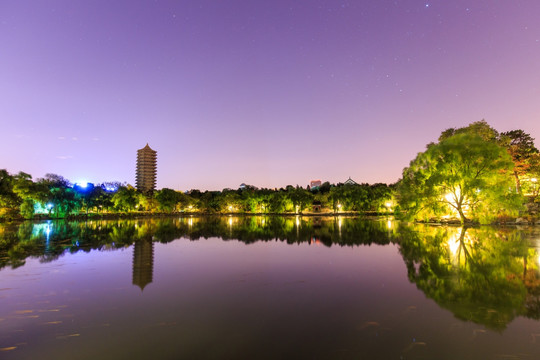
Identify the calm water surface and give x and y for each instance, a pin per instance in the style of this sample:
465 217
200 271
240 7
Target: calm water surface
267 288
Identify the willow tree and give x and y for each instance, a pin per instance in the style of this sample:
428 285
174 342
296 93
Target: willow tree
463 175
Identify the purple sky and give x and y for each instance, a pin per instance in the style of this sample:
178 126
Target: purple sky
267 93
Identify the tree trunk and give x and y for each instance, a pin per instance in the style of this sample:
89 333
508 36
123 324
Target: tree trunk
518 183
461 214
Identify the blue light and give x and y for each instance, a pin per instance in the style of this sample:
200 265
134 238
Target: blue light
49 206
48 231
110 187
83 186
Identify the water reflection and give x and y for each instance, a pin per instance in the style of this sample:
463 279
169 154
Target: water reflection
485 275
143 262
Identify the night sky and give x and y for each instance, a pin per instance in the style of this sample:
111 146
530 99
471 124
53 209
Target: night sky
267 93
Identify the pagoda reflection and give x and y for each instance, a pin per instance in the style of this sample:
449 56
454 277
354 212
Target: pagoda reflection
143 262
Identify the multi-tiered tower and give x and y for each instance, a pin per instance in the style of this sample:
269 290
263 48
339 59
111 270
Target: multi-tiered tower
146 169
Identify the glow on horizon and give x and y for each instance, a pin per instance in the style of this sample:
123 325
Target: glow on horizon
83 184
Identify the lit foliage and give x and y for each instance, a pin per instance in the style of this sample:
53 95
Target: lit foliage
483 275
168 199
126 198
463 175
300 198
525 155
56 197
519 145
8 200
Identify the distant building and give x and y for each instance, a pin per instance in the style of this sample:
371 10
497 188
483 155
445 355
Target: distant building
145 178
350 182
315 184
244 186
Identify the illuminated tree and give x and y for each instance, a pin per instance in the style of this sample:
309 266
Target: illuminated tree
349 197
480 128
299 197
518 143
126 198
167 199
521 147
379 196
61 199
464 175
209 201
8 199
278 202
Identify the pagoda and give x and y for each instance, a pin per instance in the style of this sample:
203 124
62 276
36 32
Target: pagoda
145 177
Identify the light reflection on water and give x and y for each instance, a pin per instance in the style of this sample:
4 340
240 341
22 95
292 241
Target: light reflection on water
237 287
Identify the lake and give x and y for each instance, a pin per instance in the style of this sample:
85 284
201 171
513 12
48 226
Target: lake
267 288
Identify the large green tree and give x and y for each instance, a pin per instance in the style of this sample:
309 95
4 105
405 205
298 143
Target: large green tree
126 198
61 196
300 198
9 201
29 193
167 199
480 128
518 143
463 173
520 146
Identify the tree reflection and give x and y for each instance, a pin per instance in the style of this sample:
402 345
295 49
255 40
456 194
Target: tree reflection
52 239
485 275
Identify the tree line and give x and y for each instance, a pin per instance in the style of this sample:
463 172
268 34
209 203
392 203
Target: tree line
56 197
50 240
471 174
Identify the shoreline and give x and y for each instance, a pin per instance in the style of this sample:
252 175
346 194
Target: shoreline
143 215
366 215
